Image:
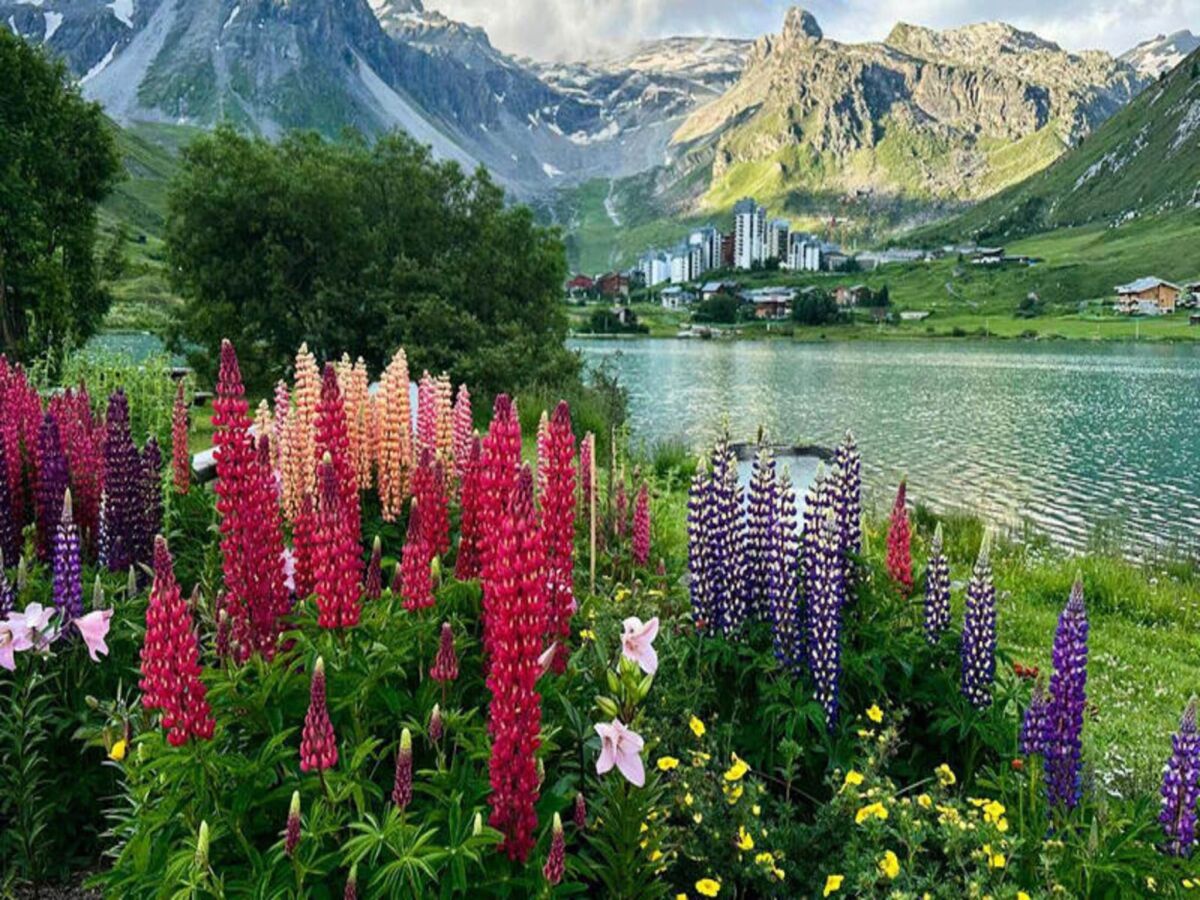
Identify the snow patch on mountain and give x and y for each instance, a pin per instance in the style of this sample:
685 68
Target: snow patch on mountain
123 10
1187 126
100 66
53 21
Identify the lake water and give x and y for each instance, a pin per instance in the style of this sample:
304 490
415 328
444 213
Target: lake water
1068 437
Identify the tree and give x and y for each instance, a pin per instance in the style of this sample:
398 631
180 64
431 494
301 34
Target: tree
360 249
815 308
58 160
881 297
719 308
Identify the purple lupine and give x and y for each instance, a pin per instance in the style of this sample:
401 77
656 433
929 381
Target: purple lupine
52 482
725 541
783 572
8 597
67 570
979 631
10 534
761 512
937 589
825 602
1062 744
699 506
1181 786
150 520
123 501
847 462
1033 725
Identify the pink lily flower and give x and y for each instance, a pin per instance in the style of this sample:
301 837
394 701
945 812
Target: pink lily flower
621 747
8 646
29 629
94 628
637 643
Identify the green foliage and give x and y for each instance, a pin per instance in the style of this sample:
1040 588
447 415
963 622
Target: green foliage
815 307
608 321
721 309
362 249
58 163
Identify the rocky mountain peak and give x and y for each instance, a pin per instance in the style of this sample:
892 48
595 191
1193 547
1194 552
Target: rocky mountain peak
800 25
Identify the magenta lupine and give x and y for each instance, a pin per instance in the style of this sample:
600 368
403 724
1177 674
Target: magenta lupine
783 571
1181 786
580 811
402 782
373 586
10 534
761 509
124 496
445 663
1033 725
463 431
52 483
67 569
586 457
978 649
640 546
291 838
825 604
436 726
1063 741
937 589
899 543
556 858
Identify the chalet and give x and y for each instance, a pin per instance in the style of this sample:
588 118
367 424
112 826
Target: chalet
1191 297
613 284
852 295
581 287
1147 296
771 303
987 256
675 297
712 289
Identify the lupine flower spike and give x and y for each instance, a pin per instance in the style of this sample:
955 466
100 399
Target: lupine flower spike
435 723
181 457
979 631
1063 740
445 664
68 573
761 509
899 540
1181 786
292 833
373 588
416 581
580 811
1033 725
402 783
318 745
553 870
641 526
782 583
825 604
937 589
558 529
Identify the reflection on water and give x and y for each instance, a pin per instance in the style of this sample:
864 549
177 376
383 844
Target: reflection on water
1067 436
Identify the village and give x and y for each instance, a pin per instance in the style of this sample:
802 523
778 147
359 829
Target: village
764 270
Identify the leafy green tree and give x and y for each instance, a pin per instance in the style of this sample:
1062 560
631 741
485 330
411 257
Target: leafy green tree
719 308
815 308
362 248
58 160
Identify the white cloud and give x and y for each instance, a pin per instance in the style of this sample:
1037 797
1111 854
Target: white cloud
572 29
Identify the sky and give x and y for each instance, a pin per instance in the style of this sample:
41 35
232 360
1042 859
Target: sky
572 29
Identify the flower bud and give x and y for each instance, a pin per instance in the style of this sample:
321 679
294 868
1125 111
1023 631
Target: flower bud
435 723
292 837
580 811
553 870
351 892
202 846
402 786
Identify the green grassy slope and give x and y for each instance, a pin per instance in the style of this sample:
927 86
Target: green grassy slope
1144 160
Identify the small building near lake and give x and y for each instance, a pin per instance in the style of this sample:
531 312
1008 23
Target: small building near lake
712 289
771 303
852 295
675 297
1147 296
987 256
613 284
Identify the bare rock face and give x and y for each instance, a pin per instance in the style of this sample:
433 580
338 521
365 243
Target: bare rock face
919 114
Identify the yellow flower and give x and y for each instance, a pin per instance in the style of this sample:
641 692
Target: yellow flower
734 794
667 763
697 727
996 861
945 775
833 883
655 856
744 841
586 634
681 896
737 770
756 809
709 887
878 810
865 733
622 593
875 714
889 865
1188 883
853 779
687 798
993 811
1021 895
698 818
117 751
924 801
1151 883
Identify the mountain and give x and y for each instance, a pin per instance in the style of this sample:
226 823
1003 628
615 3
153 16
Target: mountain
925 115
1162 53
1143 161
270 65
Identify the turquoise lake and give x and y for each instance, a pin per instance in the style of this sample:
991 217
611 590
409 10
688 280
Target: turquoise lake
1073 439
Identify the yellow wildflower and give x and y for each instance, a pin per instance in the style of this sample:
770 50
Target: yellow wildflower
586 634
853 779
889 865
865 733
1021 895
117 751
756 809
833 883
1151 883
875 714
997 861
698 818
709 887
667 763
622 593
764 859
681 896
744 841
878 810
734 794
924 801
945 775
737 770
687 799
697 727
655 856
